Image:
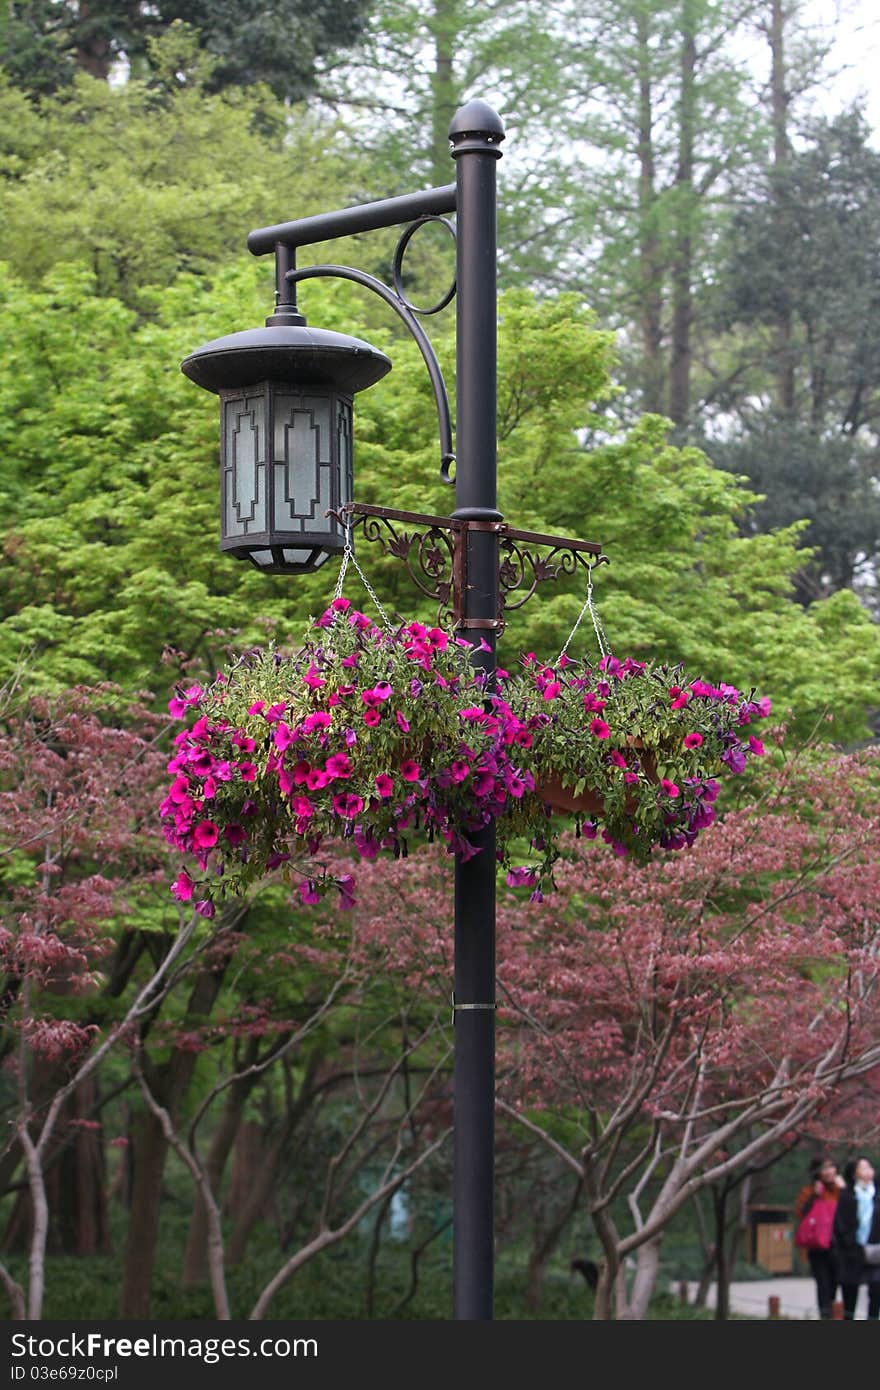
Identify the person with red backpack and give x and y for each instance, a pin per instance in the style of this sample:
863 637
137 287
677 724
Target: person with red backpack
814 1210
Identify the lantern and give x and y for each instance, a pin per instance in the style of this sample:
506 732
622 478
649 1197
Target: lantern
286 394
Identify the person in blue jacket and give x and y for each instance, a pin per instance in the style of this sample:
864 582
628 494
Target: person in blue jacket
857 1224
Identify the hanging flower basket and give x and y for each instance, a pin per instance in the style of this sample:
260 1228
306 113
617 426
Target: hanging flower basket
633 751
364 738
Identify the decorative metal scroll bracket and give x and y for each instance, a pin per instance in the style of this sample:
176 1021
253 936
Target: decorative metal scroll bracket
434 550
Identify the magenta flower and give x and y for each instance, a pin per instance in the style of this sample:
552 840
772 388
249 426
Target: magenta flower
205 908
402 724
319 720
347 804
384 785
617 758
247 772
410 771
338 765
372 717
257 707
756 746
693 740
669 787
340 605
551 690
234 834
182 887
308 893
599 728
179 789
283 736
206 834
315 779
459 771
312 679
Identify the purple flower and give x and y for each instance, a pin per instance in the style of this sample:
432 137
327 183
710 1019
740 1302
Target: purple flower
523 877
734 757
345 884
308 892
205 908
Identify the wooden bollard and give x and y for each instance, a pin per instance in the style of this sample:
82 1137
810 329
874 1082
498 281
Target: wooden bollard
837 1309
773 1306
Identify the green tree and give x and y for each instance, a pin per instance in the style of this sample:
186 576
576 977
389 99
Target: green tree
46 42
808 439
109 489
138 184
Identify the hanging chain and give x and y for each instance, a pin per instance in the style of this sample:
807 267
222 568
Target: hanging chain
348 556
598 628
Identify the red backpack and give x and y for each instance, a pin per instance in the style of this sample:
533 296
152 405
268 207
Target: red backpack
815 1228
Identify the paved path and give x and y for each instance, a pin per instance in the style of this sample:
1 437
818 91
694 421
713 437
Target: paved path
796 1294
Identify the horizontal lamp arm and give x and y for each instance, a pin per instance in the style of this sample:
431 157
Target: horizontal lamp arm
363 217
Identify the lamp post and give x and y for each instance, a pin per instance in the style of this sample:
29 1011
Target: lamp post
287 504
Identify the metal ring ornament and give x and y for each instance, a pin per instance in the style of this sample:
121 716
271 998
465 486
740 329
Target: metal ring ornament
400 250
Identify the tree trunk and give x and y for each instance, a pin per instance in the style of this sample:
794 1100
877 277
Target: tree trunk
645 1281
781 151
195 1265
722 1284
542 1248
259 1194
651 288
682 264
444 94
149 1151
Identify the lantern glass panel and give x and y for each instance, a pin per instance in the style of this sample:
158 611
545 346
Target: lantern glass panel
244 465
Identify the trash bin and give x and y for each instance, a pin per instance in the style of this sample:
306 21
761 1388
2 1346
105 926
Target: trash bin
771 1239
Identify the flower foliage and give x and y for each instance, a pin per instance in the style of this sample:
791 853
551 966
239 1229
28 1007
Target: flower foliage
647 743
364 735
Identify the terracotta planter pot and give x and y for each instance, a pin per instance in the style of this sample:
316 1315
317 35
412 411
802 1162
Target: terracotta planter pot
589 803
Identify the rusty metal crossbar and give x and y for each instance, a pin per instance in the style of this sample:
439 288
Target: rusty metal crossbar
434 550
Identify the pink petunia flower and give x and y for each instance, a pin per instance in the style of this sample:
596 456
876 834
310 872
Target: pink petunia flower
693 740
410 771
206 834
347 804
384 785
182 887
338 765
599 728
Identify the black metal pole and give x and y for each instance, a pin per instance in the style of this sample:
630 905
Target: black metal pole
475 133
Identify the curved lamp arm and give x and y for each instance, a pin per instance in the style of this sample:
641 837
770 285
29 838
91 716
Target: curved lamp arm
404 312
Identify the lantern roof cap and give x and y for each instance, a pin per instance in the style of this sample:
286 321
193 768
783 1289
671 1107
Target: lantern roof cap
298 355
